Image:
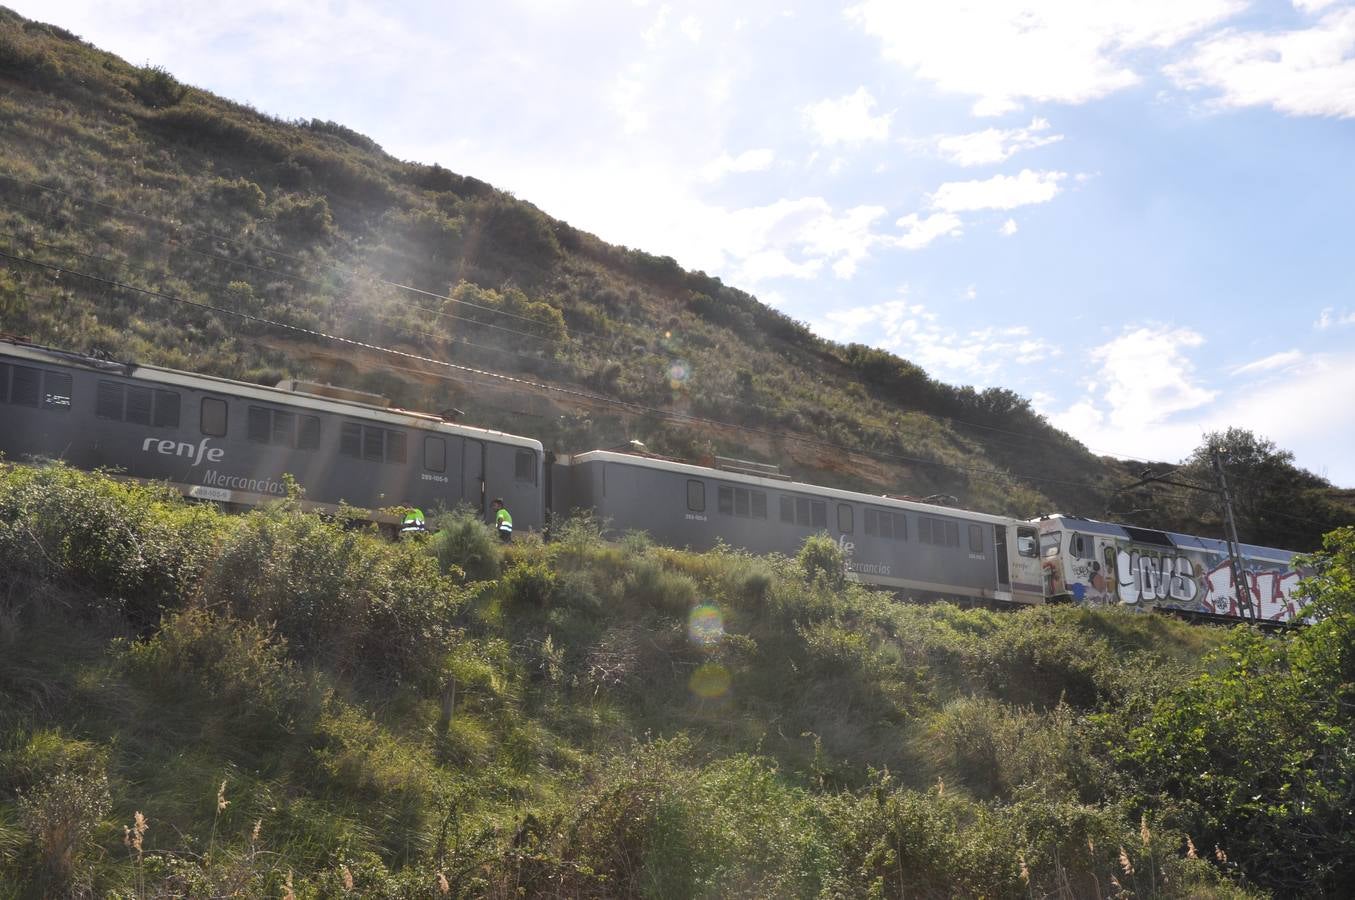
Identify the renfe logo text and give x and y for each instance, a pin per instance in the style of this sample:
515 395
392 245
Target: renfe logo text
183 448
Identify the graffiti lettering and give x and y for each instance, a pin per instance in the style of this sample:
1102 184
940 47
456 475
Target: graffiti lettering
1272 592
1146 577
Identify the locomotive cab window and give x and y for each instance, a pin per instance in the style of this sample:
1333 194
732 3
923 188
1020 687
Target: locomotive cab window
1080 546
1027 543
524 466
212 417
696 496
434 454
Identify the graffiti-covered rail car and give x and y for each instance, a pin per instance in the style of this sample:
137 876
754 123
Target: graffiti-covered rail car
233 442
1100 563
917 549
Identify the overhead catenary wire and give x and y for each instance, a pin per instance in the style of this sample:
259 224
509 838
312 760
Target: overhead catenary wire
312 282
978 472
176 226
353 273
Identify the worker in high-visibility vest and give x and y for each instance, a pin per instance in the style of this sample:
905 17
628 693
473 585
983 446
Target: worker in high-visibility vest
413 523
503 521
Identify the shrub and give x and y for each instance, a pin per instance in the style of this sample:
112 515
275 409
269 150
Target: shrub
463 543
61 814
668 592
138 549
306 218
239 670
346 597
241 194
529 584
156 87
822 558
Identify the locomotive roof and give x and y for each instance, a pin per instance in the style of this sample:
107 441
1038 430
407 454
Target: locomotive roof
1165 538
160 375
776 484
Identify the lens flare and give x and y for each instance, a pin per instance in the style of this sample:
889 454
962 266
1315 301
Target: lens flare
679 372
710 681
705 625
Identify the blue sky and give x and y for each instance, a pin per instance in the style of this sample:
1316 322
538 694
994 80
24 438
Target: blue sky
1138 213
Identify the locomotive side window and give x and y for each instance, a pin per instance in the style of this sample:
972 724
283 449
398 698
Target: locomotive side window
166 409
284 428
803 511
434 454
975 539
212 417
741 502
108 401
938 532
258 424
1080 546
137 405
844 518
524 466
56 390
885 524
308 433
25 386
372 443
350 440
696 496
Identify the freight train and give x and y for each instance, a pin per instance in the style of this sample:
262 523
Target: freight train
236 443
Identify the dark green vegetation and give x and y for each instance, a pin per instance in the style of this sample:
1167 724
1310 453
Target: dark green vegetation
193 704
123 173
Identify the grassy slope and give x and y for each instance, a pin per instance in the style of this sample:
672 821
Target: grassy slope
569 724
303 221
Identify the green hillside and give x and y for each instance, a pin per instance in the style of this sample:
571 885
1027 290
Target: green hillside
197 705
126 198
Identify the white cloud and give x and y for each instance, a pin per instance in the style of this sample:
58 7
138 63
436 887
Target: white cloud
1008 228
847 120
758 160
1002 53
1306 72
1312 6
912 331
998 192
994 145
1270 363
1144 386
691 27
1329 317
919 232
654 32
